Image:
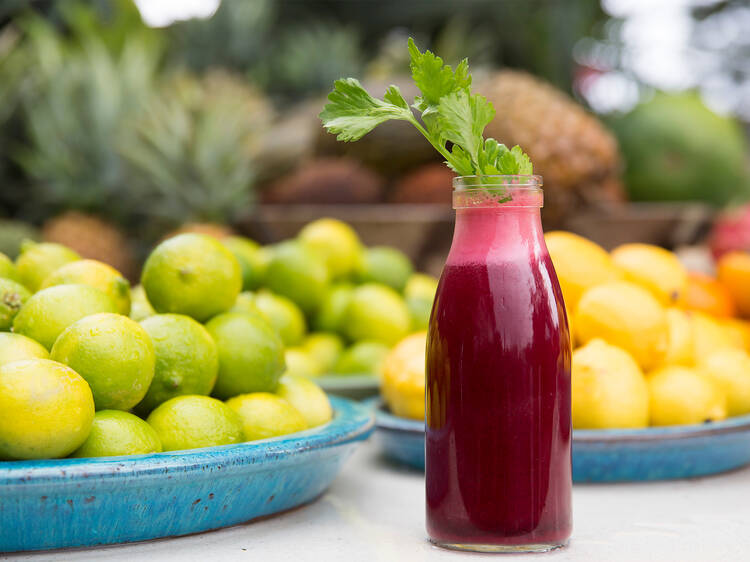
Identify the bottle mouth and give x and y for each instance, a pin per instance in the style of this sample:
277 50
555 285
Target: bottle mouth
517 192
463 183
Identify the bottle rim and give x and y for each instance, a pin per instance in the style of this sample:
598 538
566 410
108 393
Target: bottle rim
469 183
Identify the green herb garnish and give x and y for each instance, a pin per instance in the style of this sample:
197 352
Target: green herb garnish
450 113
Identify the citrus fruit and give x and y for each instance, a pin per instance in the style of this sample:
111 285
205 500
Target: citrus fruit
113 353
708 336
680 339
421 285
336 242
705 294
116 433
96 274
307 397
376 312
248 255
192 274
285 317
187 361
300 362
608 388
386 265
47 410
13 295
403 379
192 422
626 315
364 357
738 331
8 269
730 369
47 313
15 347
245 304
251 355
733 271
330 314
266 415
655 268
580 264
38 260
680 395
140 308
420 309
298 274
324 348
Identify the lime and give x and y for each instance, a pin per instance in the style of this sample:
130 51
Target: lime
298 274
285 316
192 274
251 355
336 242
330 315
307 397
13 295
140 308
300 362
266 415
376 312
245 304
421 285
187 361
38 260
324 348
116 433
251 263
192 422
420 309
365 357
386 265
96 274
113 353
8 269
47 313
15 347
47 410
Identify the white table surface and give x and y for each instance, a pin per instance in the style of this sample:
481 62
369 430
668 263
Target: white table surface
375 512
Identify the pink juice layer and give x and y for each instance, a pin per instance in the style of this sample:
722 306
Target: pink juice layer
498 388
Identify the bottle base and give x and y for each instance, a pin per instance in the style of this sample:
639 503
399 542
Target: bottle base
501 548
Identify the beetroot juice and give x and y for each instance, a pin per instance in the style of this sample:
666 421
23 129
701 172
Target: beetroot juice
498 379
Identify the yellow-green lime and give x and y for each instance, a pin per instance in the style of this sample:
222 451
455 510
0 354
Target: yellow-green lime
324 348
245 304
96 274
421 285
300 362
364 357
251 262
386 265
330 314
336 242
140 308
266 415
376 312
420 309
192 422
38 260
47 313
307 397
251 355
284 316
298 274
13 295
15 347
47 410
8 269
113 353
116 433
192 274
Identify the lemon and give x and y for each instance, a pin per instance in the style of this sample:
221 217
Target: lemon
730 369
376 312
116 433
421 285
187 361
47 410
38 260
140 308
192 422
307 397
655 268
47 313
13 295
115 356
251 355
301 363
680 395
738 332
298 274
96 274
192 274
330 314
580 264
324 348
284 316
8 269
364 357
387 266
680 346
708 336
248 255
336 242
403 382
626 315
266 415
15 347
608 388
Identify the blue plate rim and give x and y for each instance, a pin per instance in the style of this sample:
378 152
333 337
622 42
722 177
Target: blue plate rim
347 382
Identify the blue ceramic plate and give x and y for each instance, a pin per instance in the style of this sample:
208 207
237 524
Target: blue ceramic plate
356 387
84 502
613 455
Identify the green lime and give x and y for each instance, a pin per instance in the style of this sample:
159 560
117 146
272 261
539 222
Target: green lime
115 433
364 357
38 260
330 315
192 274
376 312
300 362
95 274
298 274
336 242
419 311
47 313
386 265
192 422
266 415
421 285
251 355
307 397
8 269
140 308
245 304
13 295
324 348
47 410
15 347
251 262
113 353
285 316
187 361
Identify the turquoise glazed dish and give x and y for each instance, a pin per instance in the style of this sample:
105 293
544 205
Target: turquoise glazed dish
84 502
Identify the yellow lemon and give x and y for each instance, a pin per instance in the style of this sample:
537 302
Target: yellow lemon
681 395
655 268
403 377
708 336
738 331
730 369
680 347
